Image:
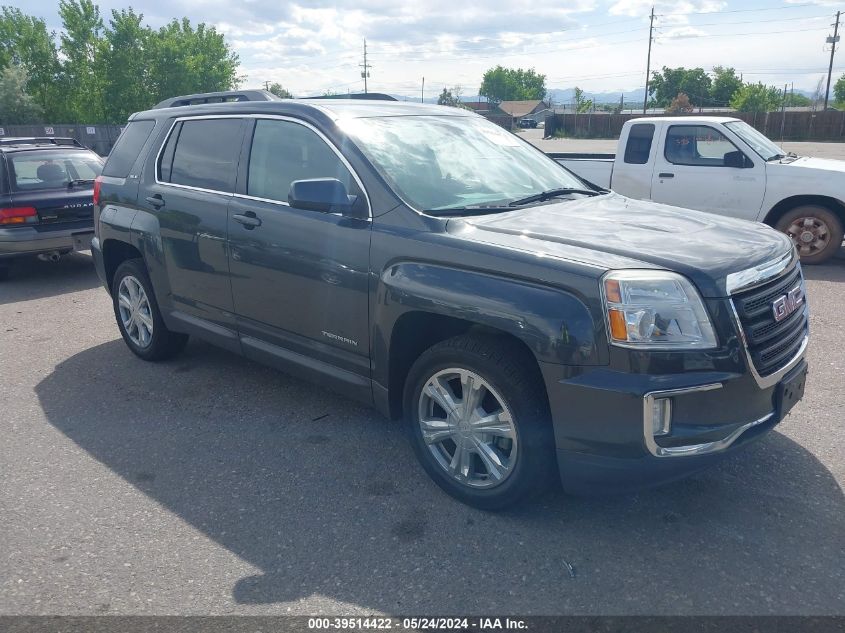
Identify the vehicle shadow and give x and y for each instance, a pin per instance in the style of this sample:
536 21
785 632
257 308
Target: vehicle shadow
325 497
30 278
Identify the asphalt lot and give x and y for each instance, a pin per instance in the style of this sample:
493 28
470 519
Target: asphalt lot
212 485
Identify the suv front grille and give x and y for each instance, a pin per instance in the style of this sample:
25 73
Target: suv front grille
771 344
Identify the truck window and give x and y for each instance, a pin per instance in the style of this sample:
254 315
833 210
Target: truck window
206 154
697 145
282 152
639 143
129 144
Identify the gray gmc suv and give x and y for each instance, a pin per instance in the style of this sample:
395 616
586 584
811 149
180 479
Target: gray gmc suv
525 325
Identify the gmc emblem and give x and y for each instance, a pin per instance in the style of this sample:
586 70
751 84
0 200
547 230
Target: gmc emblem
787 304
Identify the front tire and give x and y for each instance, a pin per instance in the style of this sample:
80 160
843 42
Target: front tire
816 232
138 316
478 419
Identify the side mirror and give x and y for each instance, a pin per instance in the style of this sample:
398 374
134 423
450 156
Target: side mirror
327 195
737 160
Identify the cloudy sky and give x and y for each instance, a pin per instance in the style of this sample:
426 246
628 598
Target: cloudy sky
314 46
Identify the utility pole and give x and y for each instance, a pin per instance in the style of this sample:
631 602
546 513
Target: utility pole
365 73
832 41
267 86
648 59
422 91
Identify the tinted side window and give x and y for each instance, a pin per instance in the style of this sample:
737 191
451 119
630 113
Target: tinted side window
697 145
127 148
639 143
206 154
282 152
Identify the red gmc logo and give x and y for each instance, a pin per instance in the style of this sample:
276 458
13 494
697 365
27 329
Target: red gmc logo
787 304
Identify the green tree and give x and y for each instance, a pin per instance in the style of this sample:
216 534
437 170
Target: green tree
582 104
793 100
83 50
451 97
839 90
124 63
667 84
277 89
25 41
724 86
509 84
185 60
757 98
16 106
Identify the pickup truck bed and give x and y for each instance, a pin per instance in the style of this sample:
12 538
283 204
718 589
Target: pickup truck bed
596 168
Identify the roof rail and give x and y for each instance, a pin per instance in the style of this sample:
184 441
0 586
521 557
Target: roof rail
227 96
40 140
366 96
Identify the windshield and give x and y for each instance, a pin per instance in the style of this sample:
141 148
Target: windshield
53 169
755 140
442 162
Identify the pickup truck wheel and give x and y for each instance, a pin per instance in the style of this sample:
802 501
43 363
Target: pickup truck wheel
816 232
478 421
138 316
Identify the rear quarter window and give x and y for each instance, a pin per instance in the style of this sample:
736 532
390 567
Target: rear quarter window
638 147
127 148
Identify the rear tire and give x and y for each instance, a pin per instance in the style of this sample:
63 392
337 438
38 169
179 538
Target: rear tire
501 452
816 232
138 316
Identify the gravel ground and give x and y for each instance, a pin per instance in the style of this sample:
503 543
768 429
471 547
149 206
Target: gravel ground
212 485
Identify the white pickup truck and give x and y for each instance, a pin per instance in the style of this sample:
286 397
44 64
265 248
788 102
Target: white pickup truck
723 165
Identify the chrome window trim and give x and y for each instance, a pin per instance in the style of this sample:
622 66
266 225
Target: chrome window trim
690 449
255 116
750 277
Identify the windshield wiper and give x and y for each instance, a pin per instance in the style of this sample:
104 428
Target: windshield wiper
80 181
552 193
475 209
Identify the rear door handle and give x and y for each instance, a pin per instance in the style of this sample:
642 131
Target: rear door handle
157 201
248 219
665 174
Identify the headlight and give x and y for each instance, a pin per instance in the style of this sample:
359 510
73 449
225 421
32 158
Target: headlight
655 310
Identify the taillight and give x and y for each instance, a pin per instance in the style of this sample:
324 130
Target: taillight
97 182
18 215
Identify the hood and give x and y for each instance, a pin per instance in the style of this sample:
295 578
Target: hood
622 232
808 162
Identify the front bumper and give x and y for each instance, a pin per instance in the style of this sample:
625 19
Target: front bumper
603 426
19 241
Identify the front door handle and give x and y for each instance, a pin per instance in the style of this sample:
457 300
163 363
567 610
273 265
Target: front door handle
665 174
156 201
248 219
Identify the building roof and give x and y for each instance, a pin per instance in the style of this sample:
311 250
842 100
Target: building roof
478 106
520 108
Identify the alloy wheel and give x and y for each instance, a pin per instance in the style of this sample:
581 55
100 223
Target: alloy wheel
135 311
468 428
